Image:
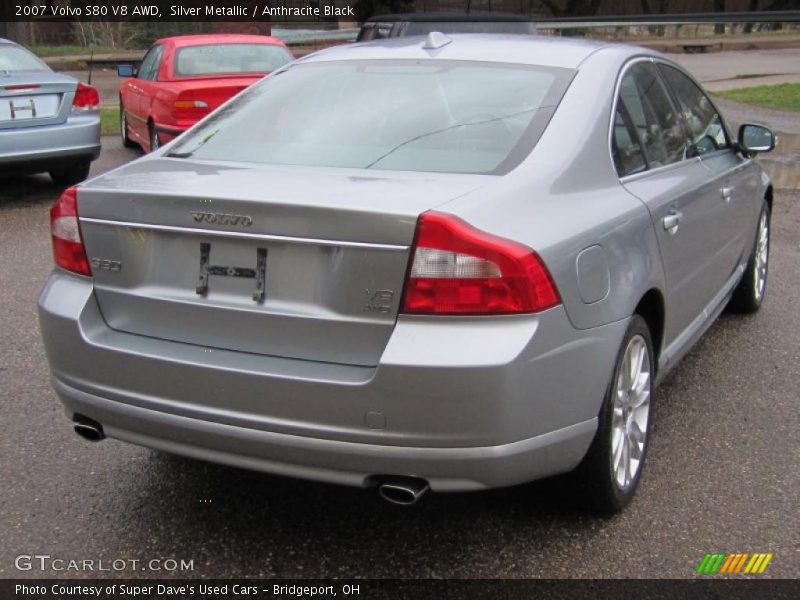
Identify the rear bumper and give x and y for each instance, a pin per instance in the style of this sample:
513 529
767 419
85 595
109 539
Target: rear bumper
34 149
517 403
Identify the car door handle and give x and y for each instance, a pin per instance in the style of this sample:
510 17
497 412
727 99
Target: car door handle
726 192
672 220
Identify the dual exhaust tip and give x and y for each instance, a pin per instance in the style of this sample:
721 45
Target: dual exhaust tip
403 491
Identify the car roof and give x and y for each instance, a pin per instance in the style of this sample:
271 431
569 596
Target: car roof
543 51
218 38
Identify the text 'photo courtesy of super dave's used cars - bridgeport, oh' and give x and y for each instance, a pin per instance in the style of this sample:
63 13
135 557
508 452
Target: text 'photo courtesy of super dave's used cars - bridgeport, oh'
385 265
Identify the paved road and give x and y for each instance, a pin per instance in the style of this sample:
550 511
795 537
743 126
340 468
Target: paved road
727 70
722 471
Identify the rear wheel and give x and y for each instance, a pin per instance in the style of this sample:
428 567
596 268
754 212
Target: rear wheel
72 175
123 128
749 294
155 143
607 478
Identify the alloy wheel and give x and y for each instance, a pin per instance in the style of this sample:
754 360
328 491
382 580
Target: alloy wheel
631 412
762 257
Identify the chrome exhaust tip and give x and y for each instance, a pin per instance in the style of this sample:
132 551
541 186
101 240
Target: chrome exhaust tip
403 491
88 429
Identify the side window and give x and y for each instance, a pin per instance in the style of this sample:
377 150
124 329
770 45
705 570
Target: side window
149 68
705 124
627 149
653 116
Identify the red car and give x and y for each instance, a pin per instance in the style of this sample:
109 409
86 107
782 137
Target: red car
181 79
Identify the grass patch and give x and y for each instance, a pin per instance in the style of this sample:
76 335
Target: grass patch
109 120
785 96
69 50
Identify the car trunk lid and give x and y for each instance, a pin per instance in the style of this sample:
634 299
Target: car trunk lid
33 98
285 261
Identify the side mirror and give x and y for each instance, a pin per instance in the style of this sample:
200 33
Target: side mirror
755 138
126 71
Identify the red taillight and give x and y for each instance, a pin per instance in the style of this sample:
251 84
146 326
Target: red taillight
192 110
86 97
459 270
68 250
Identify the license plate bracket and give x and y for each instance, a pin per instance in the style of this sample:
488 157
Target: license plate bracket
259 273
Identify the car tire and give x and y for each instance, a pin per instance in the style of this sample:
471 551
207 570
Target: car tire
749 294
72 175
607 478
155 143
123 128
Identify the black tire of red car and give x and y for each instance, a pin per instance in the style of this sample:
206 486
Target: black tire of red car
749 294
155 143
73 174
123 128
593 484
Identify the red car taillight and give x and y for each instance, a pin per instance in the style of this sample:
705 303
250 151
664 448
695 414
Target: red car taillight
68 250
86 97
190 109
459 270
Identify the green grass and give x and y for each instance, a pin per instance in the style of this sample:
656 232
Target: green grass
785 96
69 50
109 120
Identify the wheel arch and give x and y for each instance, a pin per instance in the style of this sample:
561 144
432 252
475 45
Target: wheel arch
652 309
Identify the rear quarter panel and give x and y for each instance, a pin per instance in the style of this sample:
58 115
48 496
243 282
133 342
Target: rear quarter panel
566 197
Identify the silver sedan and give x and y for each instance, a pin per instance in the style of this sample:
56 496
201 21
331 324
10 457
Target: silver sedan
49 122
453 263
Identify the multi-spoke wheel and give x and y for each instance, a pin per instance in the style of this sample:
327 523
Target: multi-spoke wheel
606 480
630 413
749 294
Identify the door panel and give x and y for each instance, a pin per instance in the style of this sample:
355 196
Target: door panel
685 202
684 207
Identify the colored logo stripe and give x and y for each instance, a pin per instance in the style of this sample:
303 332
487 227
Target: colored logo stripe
758 563
722 562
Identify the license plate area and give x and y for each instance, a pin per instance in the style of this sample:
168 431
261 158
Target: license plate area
28 107
207 271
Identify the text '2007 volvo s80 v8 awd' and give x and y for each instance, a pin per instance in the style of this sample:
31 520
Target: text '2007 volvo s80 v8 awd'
452 263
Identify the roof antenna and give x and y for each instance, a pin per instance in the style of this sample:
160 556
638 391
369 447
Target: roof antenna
91 64
436 40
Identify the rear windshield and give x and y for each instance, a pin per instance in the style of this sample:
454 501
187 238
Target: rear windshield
13 58
223 59
443 116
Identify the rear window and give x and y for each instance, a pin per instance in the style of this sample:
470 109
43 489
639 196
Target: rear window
221 59
13 58
442 116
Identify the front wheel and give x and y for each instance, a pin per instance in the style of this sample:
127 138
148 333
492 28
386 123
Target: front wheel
609 473
749 294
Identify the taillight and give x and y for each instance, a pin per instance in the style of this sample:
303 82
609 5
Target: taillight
190 109
459 270
86 97
68 250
